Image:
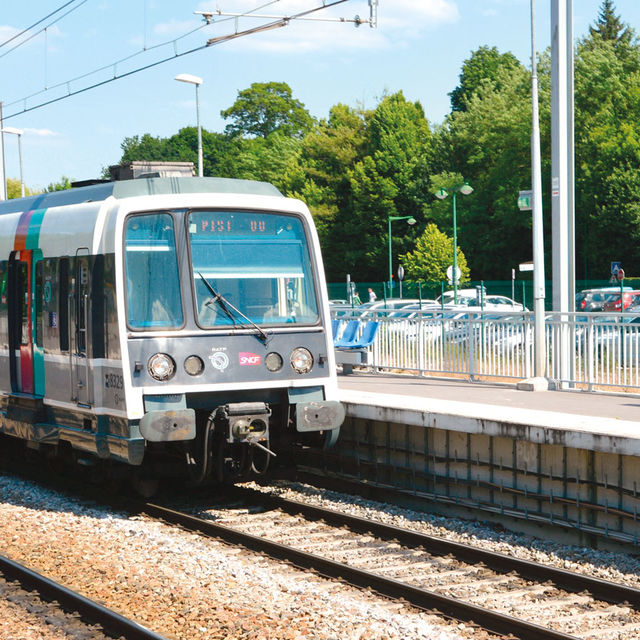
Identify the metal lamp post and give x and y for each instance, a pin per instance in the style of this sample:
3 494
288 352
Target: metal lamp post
411 221
465 189
17 132
188 78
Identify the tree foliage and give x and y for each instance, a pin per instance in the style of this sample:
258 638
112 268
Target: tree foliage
432 256
265 108
485 66
61 185
609 26
14 189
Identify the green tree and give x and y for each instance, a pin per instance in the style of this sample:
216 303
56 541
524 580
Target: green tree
268 159
62 185
14 189
432 255
610 27
486 65
220 153
391 180
607 81
489 144
265 108
320 177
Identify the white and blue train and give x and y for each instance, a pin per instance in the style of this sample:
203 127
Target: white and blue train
171 326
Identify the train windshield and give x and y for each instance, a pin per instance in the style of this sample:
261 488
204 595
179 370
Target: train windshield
151 269
259 262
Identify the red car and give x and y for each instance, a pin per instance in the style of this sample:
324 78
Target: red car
628 297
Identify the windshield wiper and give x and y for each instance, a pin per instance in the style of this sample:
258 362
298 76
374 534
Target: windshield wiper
223 303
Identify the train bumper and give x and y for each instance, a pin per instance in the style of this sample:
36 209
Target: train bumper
168 425
320 415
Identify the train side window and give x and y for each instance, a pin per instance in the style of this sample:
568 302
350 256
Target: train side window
23 288
63 303
4 319
38 301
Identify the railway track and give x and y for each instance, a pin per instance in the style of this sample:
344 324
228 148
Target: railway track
502 594
113 624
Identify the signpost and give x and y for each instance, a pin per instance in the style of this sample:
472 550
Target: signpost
617 273
525 199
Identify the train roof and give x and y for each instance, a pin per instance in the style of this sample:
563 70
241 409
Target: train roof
139 187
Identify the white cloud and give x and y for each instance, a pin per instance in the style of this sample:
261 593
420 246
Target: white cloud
41 133
398 21
7 32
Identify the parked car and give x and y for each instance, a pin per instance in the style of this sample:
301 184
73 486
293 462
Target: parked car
594 299
469 298
628 298
384 307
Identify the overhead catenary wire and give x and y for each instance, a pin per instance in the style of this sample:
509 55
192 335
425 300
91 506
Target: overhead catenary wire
35 24
44 29
117 76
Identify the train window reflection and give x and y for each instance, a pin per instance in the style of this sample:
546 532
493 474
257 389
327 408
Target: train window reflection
259 262
150 250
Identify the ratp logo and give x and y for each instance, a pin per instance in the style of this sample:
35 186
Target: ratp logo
219 360
249 359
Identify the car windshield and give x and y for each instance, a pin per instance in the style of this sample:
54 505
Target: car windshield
259 262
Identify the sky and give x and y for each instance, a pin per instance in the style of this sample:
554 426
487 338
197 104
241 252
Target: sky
418 48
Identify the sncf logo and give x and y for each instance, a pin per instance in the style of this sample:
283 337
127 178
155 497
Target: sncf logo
249 359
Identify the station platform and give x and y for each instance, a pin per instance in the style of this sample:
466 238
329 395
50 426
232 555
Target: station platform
608 423
520 458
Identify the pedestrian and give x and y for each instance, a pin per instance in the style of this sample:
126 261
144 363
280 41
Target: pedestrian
372 295
356 299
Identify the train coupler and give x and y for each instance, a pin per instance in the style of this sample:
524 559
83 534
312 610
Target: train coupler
247 422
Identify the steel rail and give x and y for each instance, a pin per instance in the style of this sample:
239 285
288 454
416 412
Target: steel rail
568 580
420 598
112 623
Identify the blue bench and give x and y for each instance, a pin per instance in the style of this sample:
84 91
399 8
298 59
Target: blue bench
349 335
367 338
355 351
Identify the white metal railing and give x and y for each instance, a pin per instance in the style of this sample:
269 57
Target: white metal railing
584 350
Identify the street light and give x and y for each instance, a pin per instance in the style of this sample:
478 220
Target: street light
188 78
465 189
410 220
17 132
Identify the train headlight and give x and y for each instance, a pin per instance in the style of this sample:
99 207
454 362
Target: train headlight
161 367
301 360
273 361
193 365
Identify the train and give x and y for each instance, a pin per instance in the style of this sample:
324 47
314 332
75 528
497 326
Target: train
165 327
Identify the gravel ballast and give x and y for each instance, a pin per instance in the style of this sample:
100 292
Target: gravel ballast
185 586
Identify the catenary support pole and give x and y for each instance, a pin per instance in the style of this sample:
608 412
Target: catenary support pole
562 225
3 179
540 348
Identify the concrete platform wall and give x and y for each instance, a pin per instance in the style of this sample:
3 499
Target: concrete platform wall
582 479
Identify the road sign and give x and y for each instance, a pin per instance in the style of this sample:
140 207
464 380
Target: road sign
620 274
400 273
526 266
450 274
615 267
525 200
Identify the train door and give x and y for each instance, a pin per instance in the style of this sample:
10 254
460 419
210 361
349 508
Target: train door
79 327
24 301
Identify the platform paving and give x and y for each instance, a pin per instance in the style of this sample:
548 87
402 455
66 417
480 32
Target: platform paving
579 403
592 421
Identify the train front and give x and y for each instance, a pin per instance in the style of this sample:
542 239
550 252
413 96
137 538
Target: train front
230 356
